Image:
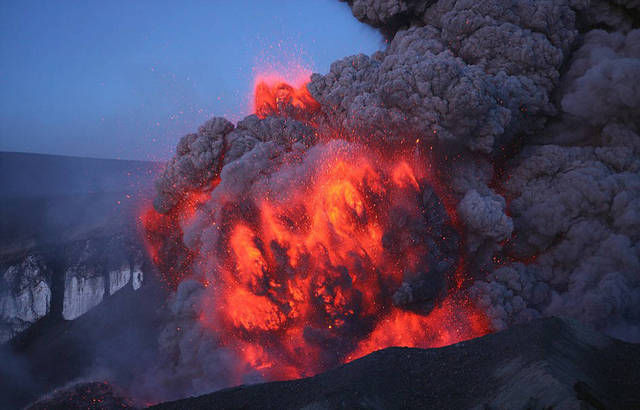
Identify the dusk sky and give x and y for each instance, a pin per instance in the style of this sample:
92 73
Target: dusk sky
126 79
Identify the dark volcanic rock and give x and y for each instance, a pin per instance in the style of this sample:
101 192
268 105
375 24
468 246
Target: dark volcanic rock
547 363
87 396
114 341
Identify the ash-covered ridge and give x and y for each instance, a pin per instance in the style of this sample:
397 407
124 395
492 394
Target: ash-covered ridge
524 367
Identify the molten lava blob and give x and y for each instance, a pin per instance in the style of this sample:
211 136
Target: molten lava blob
274 95
328 258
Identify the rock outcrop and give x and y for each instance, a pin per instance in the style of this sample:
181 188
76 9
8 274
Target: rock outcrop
68 235
118 278
90 271
25 295
98 268
83 289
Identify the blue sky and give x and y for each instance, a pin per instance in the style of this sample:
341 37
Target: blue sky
126 79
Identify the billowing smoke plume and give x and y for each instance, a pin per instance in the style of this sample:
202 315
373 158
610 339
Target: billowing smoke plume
576 206
519 122
573 240
475 74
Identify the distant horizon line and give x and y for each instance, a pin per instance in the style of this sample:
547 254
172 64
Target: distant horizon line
79 156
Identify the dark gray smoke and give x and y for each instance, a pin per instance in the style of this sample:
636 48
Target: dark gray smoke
472 73
200 157
576 206
547 77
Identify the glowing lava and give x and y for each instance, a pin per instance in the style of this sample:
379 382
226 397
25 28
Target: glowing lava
307 279
453 321
163 237
321 257
273 94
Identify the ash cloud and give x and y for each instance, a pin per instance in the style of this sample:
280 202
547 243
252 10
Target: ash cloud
471 73
197 161
576 207
200 157
390 15
562 88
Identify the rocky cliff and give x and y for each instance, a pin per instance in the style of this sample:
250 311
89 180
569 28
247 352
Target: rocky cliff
69 235
67 280
25 295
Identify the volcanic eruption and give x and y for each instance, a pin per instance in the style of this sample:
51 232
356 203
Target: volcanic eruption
478 174
444 187
317 251
311 258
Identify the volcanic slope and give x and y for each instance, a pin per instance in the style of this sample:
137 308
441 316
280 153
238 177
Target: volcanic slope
548 363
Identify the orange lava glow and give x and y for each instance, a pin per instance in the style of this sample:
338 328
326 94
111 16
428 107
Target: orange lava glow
453 321
304 277
306 283
162 235
273 92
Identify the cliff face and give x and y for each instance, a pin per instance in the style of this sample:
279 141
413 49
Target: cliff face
98 268
69 236
25 295
86 286
112 341
84 289
88 272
